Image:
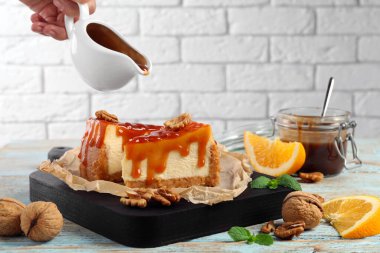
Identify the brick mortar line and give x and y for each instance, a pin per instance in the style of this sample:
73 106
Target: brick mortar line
192 92
225 84
353 104
220 35
174 92
293 63
90 105
195 63
43 85
315 16
357 51
314 74
373 117
269 49
357 116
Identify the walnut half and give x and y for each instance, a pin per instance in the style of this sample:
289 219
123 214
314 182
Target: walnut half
178 122
312 177
268 227
144 195
289 229
104 115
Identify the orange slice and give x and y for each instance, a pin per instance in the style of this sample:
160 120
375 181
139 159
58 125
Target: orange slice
354 216
273 158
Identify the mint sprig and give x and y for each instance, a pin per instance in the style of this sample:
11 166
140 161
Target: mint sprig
289 181
284 180
242 234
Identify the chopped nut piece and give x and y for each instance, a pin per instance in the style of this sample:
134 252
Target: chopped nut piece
289 229
142 203
312 177
178 122
169 195
161 200
142 196
268 228
104 115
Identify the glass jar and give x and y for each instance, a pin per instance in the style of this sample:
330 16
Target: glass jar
324 139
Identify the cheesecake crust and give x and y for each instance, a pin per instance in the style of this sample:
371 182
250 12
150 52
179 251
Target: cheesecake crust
211 180
97 167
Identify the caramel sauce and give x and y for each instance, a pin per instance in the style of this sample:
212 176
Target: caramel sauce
94 136
148 142
321 154
108 39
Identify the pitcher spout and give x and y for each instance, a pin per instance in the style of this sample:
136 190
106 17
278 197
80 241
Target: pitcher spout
144 67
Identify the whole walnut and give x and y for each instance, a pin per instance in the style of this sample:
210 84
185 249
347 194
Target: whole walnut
41 221
10 211
302 206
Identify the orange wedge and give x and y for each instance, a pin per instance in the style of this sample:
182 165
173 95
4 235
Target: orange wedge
273 158
354 216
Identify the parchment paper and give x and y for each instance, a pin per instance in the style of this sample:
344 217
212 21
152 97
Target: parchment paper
235 175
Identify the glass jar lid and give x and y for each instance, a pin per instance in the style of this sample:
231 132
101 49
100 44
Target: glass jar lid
309 118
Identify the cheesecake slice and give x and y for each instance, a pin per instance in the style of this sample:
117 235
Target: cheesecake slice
181 153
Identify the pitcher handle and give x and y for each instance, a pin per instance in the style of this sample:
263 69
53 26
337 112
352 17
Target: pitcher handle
84 12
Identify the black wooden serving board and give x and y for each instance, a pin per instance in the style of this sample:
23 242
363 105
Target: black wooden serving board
155 225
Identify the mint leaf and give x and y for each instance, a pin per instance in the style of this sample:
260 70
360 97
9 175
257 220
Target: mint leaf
289 181
273 184
242 234
251 239
239 234
264 239
260 182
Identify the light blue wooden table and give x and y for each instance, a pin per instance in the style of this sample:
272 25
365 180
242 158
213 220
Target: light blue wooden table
18 160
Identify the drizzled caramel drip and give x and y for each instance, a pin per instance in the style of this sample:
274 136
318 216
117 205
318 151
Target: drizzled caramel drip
153 143
94 136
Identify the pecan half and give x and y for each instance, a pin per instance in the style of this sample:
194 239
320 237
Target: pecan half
289 229
268 227
145 195
178 122
104 115
312 177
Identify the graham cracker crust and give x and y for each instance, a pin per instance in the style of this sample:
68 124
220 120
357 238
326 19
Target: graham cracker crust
97 167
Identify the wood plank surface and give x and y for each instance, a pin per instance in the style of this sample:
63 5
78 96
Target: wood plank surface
18 160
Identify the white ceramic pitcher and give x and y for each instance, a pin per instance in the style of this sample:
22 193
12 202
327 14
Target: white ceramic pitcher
100 54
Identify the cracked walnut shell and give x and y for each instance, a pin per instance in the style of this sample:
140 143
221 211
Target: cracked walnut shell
10 211
41 221
302 206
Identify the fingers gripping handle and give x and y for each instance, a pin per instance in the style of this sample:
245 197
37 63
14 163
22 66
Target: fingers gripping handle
84 12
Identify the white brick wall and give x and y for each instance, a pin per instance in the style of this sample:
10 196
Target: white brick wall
228 62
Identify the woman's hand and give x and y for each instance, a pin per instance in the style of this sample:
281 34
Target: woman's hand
48 18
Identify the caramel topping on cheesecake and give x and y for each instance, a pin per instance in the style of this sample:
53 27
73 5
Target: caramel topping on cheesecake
150 142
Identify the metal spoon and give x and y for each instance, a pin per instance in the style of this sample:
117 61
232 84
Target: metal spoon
330 88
